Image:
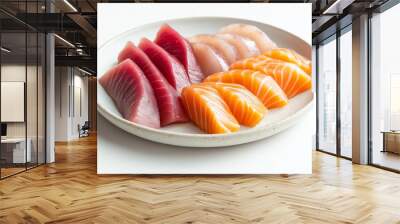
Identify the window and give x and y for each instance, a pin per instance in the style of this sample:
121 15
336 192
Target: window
385 89
346 93
394 101
327 97
22 75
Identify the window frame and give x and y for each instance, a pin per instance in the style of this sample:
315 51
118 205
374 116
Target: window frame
334 37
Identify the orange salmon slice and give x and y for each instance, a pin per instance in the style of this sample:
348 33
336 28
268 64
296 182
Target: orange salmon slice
262 86
208 110
290 77
291 56
247 108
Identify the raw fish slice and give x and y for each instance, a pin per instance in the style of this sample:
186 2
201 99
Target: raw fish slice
290 77
262 86
208 110
168 101
168 65
132 94
177 46
247 108
264 43
209 61
291 56
223 48
244 47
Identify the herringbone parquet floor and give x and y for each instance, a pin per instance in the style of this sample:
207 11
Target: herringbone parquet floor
69 191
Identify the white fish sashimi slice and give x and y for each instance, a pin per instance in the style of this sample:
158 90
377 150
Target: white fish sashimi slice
223 48
245 47
264 43
209 60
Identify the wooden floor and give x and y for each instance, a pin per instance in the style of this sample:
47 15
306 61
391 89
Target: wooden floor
387 159
5 172
69 191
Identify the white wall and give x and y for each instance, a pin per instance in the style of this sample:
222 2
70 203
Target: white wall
80 96
14 72
62 81
34 125
70 83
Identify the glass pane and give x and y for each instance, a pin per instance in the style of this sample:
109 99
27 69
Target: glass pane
346 93
31 98
327 97
314 86
13 86
41 98
31 88
386 89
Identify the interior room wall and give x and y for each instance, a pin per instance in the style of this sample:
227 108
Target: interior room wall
62 80
80 109
34 104
16 72
70 83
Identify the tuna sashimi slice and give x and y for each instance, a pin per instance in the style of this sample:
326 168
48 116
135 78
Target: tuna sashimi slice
168 65
177 46
208 110
132 94
168 100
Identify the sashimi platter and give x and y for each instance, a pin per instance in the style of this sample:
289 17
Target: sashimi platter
204 82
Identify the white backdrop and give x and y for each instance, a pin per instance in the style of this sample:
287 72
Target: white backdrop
122 153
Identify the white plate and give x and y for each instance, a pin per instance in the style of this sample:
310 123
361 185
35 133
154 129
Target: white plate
188 134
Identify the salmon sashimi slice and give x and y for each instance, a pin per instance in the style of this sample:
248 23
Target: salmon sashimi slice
264 43
291 56
210 61
245 47
247 108
178 46
208 110
168 99
167 64
290 77
262 86
132 94
223 48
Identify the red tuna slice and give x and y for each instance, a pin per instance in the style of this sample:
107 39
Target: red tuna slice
168 65
168 100
131 92
176 45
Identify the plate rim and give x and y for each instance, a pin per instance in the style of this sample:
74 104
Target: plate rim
192 18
